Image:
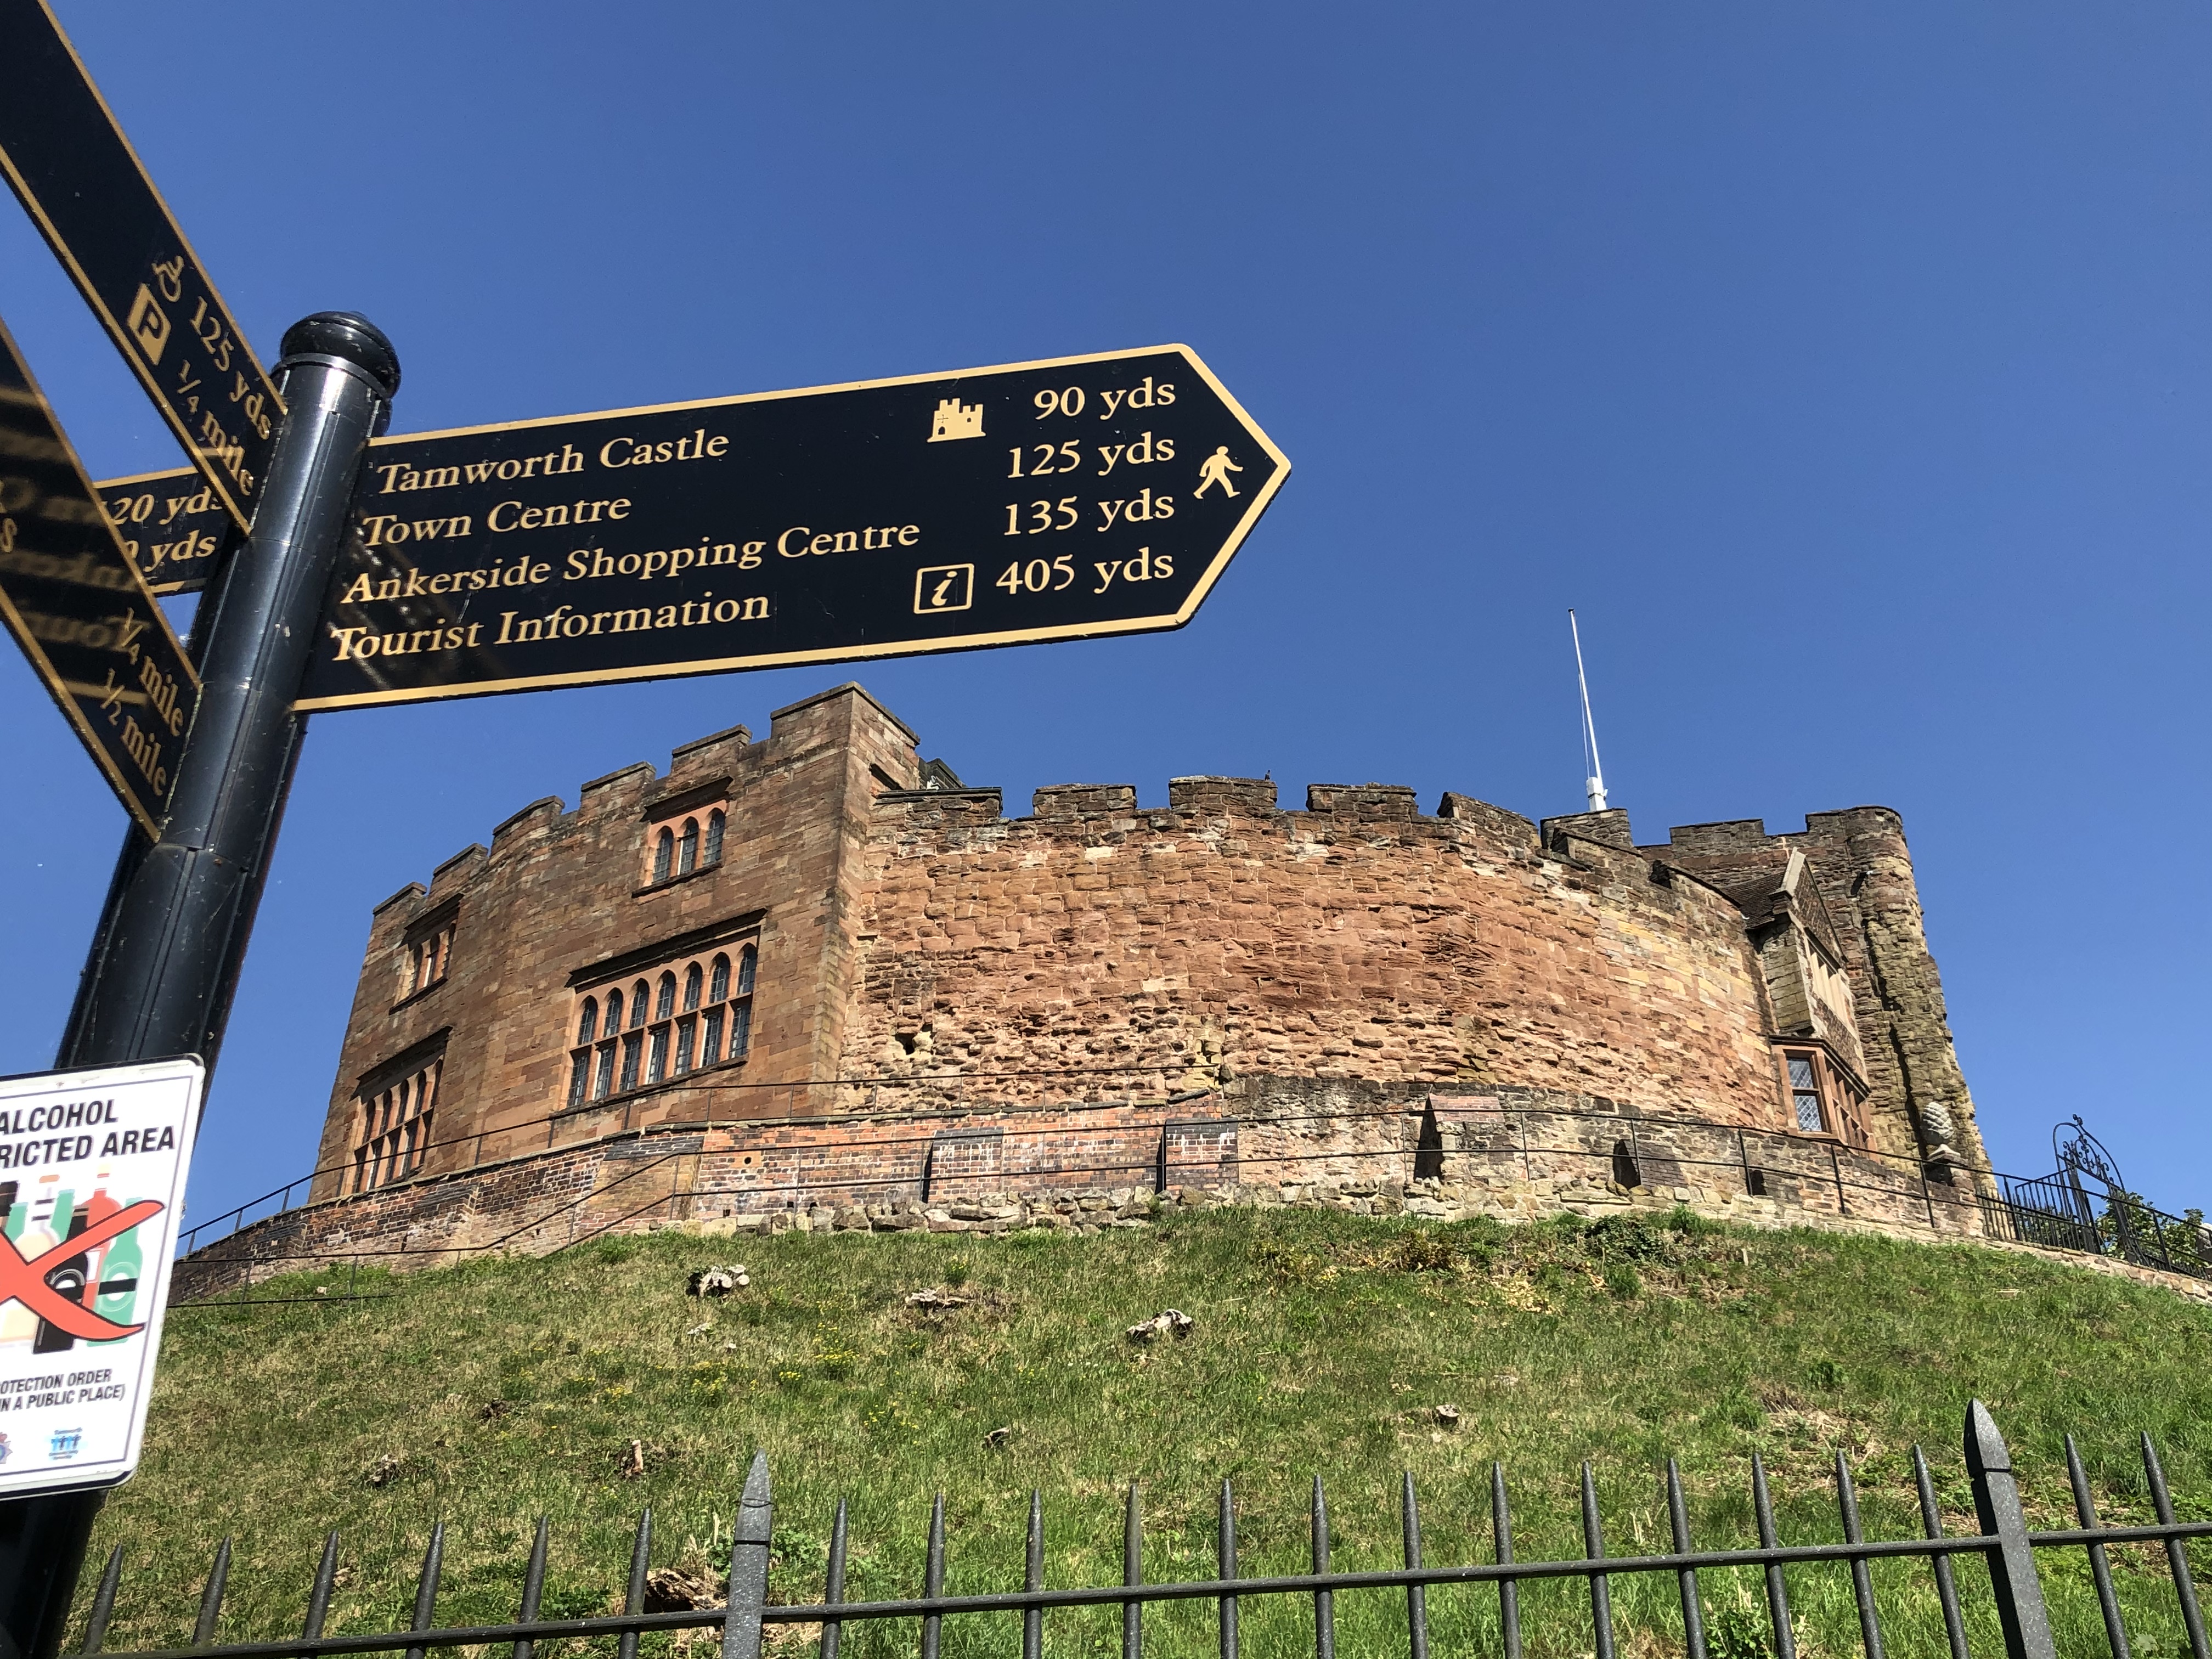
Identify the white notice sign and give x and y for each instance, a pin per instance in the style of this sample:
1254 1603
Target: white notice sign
92 1183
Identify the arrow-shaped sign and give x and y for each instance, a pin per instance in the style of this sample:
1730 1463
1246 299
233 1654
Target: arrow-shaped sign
1061 500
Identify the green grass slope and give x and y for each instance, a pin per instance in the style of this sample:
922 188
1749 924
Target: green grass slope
488 1395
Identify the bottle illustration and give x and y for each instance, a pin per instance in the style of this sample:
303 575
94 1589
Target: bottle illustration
115 1273
36 1236
69 1281
97 1209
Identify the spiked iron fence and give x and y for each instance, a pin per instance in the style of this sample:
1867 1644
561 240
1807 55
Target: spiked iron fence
2004 1543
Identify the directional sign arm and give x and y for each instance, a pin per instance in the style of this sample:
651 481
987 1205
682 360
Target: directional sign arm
77 176
1067 499
172 524
80 611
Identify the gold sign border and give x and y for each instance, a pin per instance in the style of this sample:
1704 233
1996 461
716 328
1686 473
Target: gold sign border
121 336
860 654
56 685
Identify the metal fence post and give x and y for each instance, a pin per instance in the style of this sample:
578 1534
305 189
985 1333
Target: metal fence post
741 1621
2018 1591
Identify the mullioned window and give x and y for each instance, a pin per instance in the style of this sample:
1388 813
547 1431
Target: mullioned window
665 1024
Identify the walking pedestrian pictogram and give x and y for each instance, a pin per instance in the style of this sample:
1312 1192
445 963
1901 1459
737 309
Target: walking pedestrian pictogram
1215 469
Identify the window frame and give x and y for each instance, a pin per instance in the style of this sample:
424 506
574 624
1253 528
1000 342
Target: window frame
685 841
652 1026
428 953
1838 1094
395 1109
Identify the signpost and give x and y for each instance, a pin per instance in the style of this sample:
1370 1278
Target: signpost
92 1183
82 182
71 597
1048 501
1066 499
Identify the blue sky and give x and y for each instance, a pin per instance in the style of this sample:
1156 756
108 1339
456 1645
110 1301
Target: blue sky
1845 366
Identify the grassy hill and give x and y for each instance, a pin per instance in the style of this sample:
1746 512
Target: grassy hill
490 1394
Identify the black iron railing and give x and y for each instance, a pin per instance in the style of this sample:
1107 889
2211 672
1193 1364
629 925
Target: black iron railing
2049 1211
2005 1544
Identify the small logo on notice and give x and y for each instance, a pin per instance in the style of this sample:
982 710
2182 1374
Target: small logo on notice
5 1448
65 1443
956 419
943 588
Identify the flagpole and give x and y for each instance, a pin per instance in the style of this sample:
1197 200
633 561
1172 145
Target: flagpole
1594 784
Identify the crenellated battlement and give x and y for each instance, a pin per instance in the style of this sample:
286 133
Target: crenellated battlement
906 940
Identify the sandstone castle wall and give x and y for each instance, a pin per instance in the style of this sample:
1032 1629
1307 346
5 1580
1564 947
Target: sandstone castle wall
1319 984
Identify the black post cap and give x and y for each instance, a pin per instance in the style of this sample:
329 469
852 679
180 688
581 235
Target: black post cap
350 336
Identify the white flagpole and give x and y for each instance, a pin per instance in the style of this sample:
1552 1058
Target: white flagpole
1594 784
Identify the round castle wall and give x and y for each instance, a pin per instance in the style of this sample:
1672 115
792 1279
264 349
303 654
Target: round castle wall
1357 940
1102 1005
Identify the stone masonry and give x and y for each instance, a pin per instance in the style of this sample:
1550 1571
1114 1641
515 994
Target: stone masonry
1217 997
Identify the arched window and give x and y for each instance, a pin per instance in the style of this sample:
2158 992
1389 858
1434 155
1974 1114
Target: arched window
579 1072
687 850
715 836
664 851
674 1020
395 1139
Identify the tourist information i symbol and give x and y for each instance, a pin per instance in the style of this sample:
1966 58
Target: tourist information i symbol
1002 506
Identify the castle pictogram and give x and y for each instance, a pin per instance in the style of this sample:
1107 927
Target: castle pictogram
956 419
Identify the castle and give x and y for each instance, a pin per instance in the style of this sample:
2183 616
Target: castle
819 980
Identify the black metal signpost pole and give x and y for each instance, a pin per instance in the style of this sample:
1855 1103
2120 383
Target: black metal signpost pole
162 967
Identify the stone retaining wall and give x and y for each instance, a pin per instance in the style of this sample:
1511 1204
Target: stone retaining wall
1366 1147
